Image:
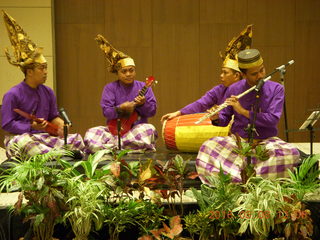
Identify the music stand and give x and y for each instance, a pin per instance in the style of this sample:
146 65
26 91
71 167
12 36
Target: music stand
308 124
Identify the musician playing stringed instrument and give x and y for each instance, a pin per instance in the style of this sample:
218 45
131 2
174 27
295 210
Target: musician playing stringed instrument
29 109
125 99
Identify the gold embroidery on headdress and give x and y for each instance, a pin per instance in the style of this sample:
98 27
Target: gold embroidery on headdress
116 59
25 51
237 44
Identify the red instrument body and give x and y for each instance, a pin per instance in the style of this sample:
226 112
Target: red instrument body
51 128
126 123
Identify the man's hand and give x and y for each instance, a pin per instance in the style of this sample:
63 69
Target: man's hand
39 126
140 100
234 102
127 107
169 116
211 110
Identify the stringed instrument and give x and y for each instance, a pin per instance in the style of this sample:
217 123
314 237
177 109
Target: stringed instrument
51 128
126 123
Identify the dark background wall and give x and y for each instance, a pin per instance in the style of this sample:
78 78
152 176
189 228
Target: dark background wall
178 42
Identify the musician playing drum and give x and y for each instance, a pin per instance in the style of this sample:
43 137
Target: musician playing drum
230 73
220 150
120 99
32 97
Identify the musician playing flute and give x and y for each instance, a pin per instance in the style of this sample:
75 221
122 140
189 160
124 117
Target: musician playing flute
219 150
32 97
230 73
119 100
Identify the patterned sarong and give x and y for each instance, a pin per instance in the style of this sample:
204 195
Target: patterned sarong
219 151
140 138
40 143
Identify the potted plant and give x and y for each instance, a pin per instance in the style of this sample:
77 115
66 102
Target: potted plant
41 188
85 194
215 217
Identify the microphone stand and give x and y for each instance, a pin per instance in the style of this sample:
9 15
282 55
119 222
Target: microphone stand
118 133
65 133
311 130
282 71
251 129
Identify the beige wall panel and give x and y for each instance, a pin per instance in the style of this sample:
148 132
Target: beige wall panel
79 11
210 61
274 21
214 39
274 36
307 85
133 29
131 33
11 75
223 12
176 64
25 3
38 28
80 74
179 42
175 12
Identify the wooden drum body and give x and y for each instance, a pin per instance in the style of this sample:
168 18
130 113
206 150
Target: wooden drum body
181 133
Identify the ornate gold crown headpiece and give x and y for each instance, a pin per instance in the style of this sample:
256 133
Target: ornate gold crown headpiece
116 59
243 41
26 52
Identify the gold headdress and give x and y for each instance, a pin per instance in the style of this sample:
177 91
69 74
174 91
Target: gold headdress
249 58
116 59
26 52
243 41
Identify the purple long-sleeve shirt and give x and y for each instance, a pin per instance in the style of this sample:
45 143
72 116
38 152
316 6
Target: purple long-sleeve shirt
212 97
269 111
39 101
115 93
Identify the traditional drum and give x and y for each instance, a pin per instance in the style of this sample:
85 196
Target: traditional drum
181 133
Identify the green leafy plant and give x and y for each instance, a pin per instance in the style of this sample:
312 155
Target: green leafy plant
85 200
305 178
215 217
41 188
259 206
295 219
169 181
200 224
248 151
85 193
120 216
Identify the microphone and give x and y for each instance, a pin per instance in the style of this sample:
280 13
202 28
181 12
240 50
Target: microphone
259 85
282 67
65 117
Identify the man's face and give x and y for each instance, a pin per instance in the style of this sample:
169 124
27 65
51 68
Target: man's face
39 73
228 76
127 75
253 75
